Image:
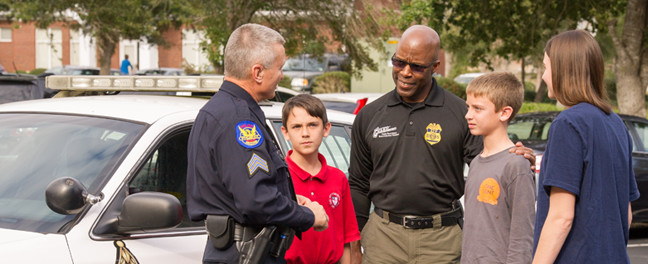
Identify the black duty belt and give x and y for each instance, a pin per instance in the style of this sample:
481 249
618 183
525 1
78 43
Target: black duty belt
450 218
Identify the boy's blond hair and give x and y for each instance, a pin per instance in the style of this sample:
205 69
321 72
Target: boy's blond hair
501 88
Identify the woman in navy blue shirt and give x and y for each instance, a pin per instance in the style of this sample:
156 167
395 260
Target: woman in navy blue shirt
586 181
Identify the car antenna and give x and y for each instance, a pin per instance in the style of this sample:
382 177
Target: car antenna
15 69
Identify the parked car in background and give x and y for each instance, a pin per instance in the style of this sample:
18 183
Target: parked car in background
72 70
533 129
347 102
303 69
467 77
93 179
161 71
14 87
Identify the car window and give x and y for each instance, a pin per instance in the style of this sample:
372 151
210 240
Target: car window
641 130
281 96
36 149
165 170
530 128
347 107
336 148
520 130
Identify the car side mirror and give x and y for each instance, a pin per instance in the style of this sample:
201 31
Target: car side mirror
68 196
149 211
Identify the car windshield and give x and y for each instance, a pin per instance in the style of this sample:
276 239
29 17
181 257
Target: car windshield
36 149
304 64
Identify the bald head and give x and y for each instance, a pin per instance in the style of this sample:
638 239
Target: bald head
422 36
414 63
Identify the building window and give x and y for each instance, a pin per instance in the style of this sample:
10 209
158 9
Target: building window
5 34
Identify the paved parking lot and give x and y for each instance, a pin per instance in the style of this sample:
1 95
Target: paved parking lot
638 245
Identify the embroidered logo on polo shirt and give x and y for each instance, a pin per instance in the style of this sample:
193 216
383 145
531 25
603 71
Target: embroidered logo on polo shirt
386 131
489 191
433 133
334 200
248 134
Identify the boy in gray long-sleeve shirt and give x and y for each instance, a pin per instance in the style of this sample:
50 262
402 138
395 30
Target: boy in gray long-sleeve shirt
500 189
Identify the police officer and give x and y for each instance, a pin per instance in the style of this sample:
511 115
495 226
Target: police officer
407 157
234 168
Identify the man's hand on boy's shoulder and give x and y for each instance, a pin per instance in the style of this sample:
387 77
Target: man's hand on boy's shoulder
520 149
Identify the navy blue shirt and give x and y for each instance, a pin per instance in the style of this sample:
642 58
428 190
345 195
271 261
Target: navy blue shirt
589 154
235 169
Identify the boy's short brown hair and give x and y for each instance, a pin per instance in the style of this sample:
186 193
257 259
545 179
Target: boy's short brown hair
501 88
311 104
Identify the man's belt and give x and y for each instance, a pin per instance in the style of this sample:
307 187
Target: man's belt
450 218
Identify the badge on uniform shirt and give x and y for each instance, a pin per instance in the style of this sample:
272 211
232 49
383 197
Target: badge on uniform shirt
248 134
433 133
489 191
256 163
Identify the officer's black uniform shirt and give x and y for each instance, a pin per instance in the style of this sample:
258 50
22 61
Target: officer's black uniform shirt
234 167
408 158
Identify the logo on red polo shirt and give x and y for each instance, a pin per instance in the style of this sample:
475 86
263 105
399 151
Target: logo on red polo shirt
334 200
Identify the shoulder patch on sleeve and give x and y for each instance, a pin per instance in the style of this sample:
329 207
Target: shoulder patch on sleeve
248 134
257 163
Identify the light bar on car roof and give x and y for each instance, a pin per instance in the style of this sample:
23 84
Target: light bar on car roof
83 83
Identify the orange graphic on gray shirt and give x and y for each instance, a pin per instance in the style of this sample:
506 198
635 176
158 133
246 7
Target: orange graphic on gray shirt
489 191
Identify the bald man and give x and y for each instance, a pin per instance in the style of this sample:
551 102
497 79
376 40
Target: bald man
407 157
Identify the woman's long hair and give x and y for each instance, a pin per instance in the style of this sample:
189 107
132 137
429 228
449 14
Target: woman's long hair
577 69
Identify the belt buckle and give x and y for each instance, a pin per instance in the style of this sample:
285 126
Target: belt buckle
405 218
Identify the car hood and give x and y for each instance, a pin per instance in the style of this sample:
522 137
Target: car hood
19 247
302 74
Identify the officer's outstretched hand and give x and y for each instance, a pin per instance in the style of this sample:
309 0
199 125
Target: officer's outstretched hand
321 218
302 200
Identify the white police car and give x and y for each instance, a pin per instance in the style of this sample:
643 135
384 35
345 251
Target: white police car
101 179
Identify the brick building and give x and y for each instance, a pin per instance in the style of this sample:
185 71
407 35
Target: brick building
25 47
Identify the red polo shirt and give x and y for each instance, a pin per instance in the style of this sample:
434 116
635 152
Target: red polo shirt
329 188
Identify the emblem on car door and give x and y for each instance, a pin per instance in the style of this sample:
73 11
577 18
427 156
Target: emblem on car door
124 255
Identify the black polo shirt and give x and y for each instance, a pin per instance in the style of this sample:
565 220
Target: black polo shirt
408 158
234 167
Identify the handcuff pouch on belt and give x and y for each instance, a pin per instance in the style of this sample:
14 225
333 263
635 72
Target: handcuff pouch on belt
221 230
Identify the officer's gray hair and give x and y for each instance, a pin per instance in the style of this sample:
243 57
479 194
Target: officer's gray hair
248 45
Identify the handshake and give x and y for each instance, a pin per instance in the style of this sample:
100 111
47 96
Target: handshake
321 218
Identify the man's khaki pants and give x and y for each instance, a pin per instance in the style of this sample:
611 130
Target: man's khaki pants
389 243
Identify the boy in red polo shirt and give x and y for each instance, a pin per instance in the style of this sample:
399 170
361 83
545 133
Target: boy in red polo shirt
305 125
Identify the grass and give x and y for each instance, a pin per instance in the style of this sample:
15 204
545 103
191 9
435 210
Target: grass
529 107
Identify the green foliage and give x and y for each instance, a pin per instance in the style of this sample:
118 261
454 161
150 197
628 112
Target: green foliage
332 82
530 107
37 71
529 91
451 86
483 30
286 82
308 25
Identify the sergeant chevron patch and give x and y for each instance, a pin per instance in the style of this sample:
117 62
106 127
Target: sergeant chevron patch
256 163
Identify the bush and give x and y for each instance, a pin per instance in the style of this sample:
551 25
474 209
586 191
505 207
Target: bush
37 71
332 82
286 82
529 91
452 86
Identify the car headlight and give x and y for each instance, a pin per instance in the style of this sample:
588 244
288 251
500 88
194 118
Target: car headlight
299 82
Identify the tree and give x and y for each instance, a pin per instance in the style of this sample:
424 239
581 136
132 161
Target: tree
631 64
519 30
107 20
307 25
